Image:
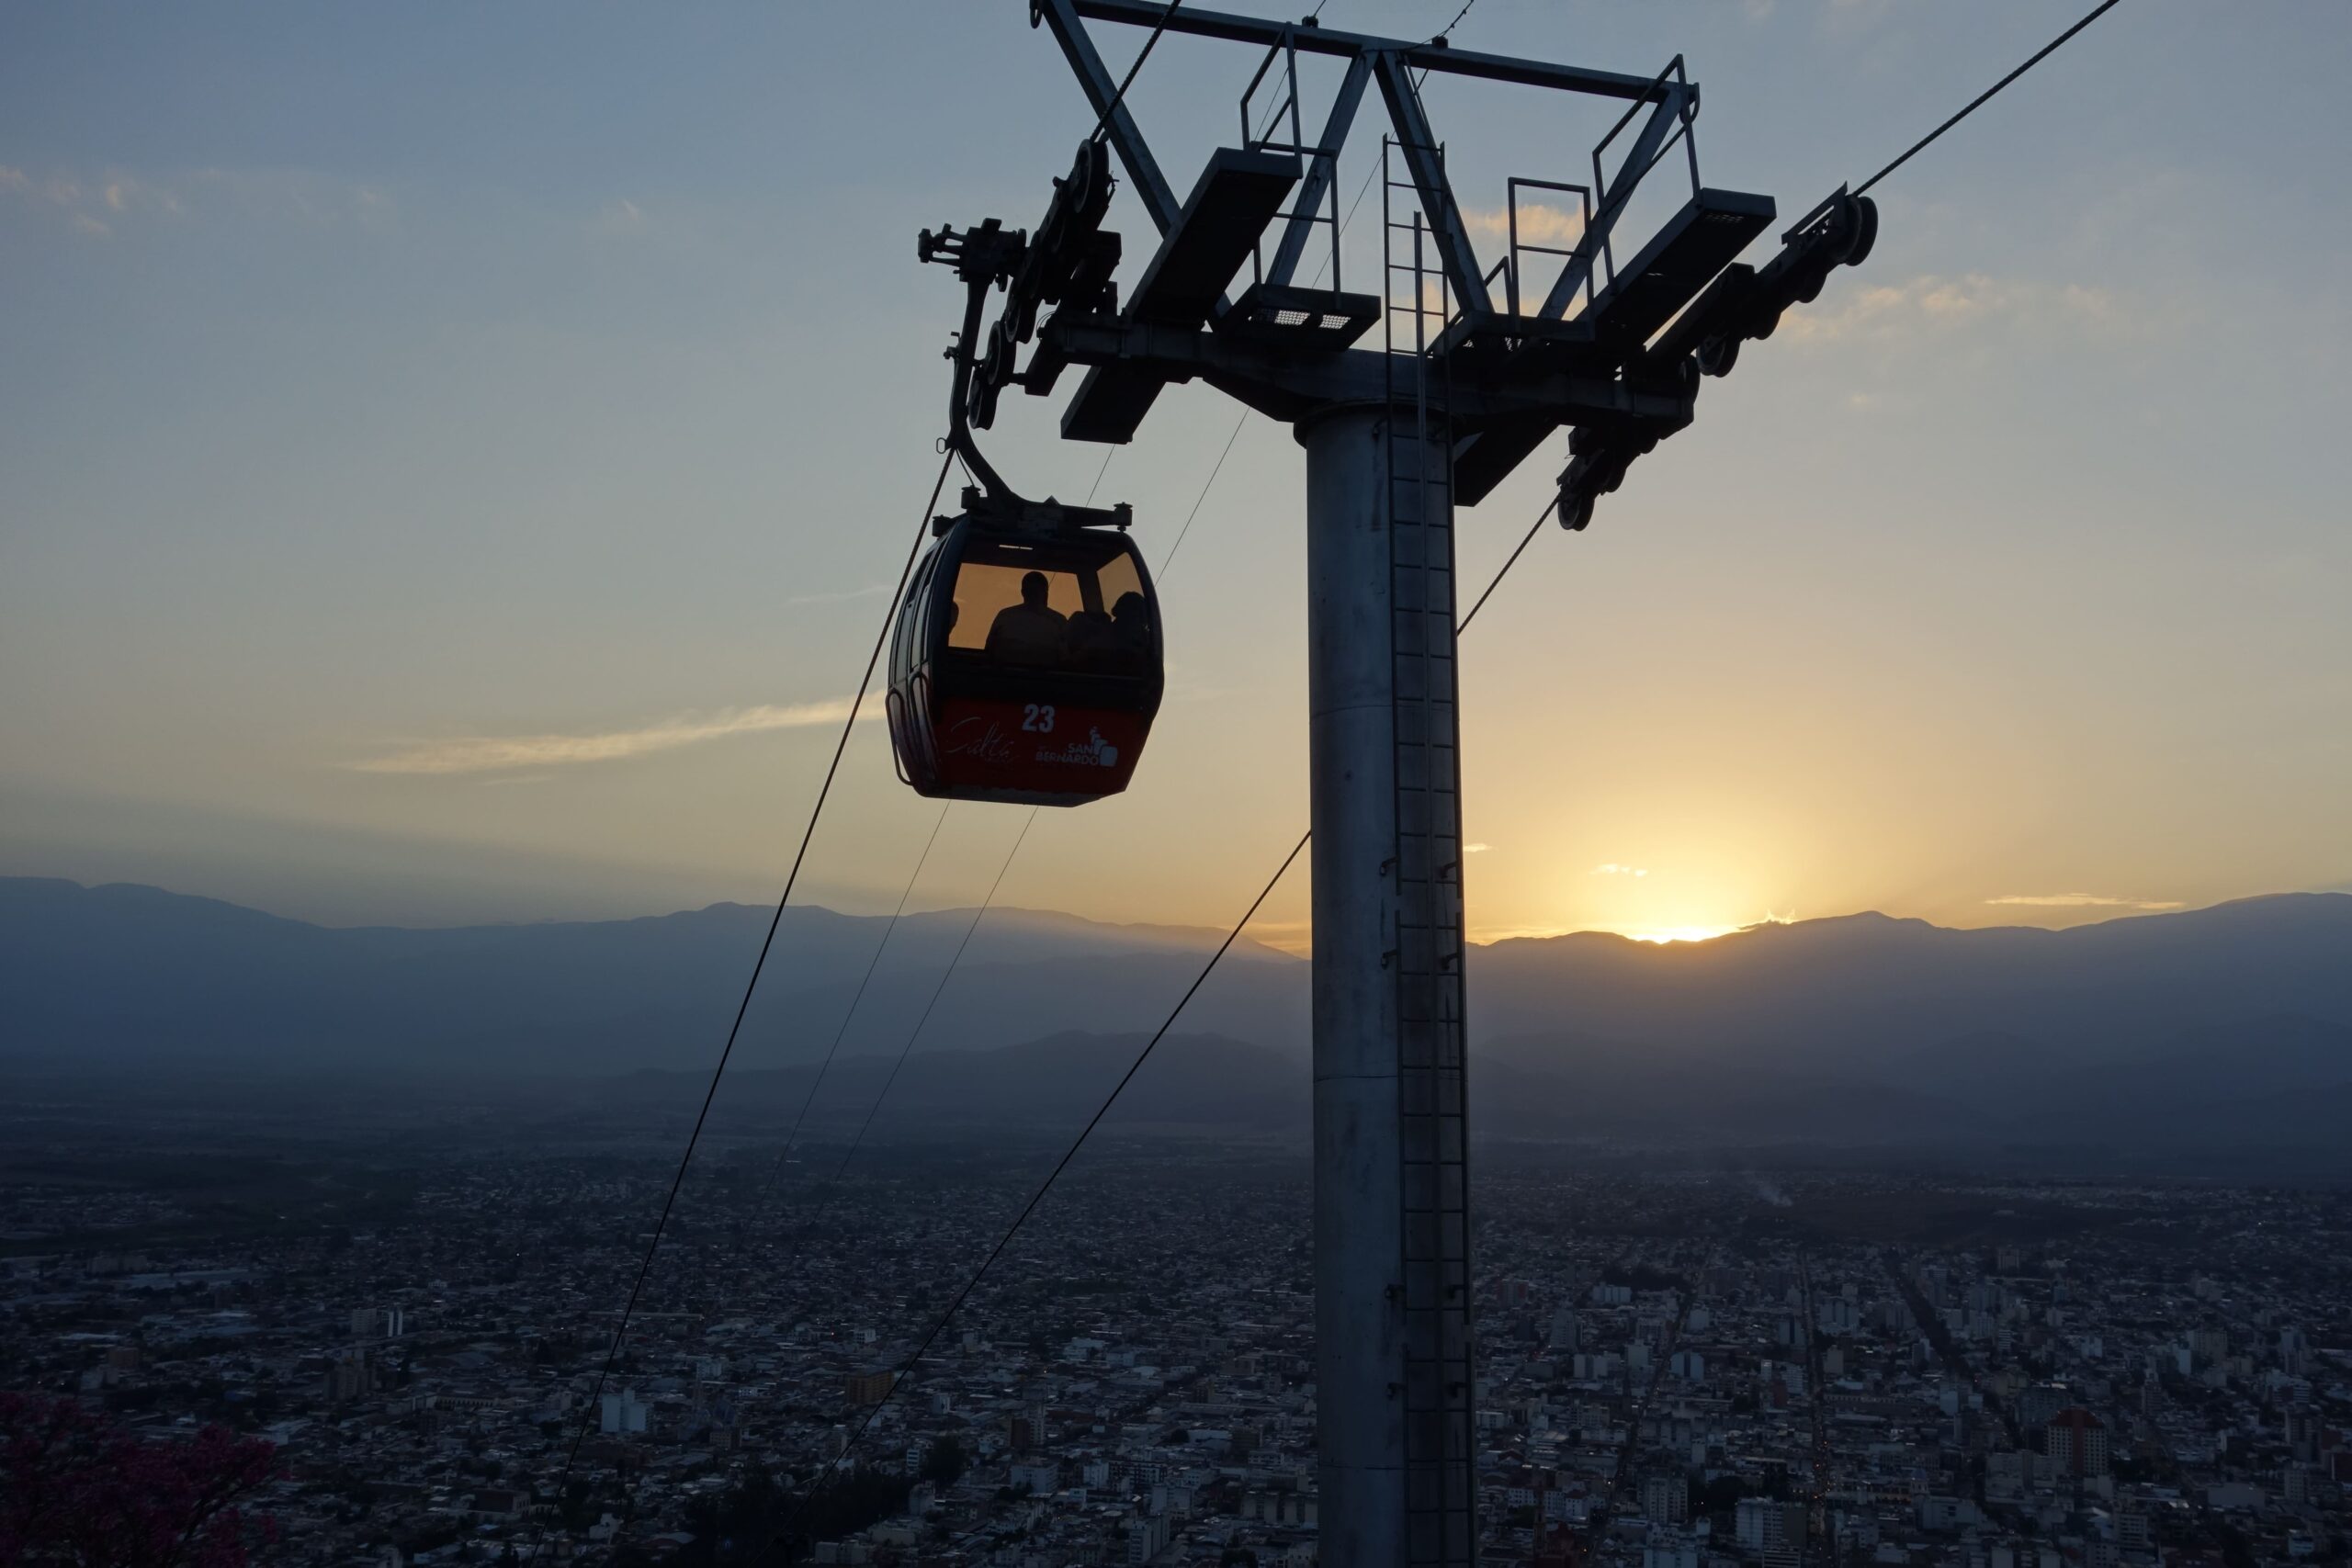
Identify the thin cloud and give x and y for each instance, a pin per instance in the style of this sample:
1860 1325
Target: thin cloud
506 753
125 192
622 217
1610 868
840 596
2083 901
101 201
1475 849
1932 304
1538 224
297 197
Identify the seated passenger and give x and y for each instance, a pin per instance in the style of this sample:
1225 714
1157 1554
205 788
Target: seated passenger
1029 632
1130 621
1092 642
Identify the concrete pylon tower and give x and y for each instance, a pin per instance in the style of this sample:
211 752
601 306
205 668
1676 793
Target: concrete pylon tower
1392 1271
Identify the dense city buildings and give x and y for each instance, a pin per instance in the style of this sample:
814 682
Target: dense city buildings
1681 1368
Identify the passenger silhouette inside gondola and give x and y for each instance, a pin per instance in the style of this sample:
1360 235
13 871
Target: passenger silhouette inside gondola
1131 632
1092 641
1031 632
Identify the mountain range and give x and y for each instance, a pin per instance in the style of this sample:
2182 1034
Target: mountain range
2223 1028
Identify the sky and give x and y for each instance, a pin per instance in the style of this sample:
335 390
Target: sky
452 460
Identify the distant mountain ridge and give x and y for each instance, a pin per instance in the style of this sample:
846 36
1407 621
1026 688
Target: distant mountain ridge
135 975
2226 1025
1845 991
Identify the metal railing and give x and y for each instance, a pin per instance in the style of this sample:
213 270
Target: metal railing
1687 112
1511 189
1285 50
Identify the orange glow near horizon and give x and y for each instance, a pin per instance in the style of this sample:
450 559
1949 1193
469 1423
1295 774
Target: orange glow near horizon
1298 940
1677 926
1681 933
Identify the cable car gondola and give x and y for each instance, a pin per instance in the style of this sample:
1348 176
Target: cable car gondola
1024 662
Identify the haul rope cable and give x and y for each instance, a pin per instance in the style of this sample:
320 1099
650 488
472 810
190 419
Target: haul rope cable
767 943
1102 122
936 990
825 1203
1980 100
793 1136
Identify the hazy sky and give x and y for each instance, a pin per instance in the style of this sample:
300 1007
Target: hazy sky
450 458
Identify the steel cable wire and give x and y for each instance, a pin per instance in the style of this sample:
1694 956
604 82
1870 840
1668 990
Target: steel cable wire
936 991
1102 122
734 1029
1979 101
865 981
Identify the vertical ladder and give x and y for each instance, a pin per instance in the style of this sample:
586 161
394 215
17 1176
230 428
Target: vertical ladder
1439 1384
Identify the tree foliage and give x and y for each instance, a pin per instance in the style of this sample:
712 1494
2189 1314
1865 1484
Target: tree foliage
78 1493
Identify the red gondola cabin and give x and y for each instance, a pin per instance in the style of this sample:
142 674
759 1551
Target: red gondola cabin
1024 665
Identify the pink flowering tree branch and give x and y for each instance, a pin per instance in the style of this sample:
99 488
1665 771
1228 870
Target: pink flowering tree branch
78 1493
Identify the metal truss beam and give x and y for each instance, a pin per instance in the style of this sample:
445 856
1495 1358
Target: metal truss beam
1418 144
1285 387
1419 53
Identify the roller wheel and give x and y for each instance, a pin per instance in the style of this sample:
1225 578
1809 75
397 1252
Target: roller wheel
996 364
1088 191
1866 231
1843 226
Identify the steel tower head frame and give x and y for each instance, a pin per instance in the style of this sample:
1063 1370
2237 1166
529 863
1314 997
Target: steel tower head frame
1625 369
